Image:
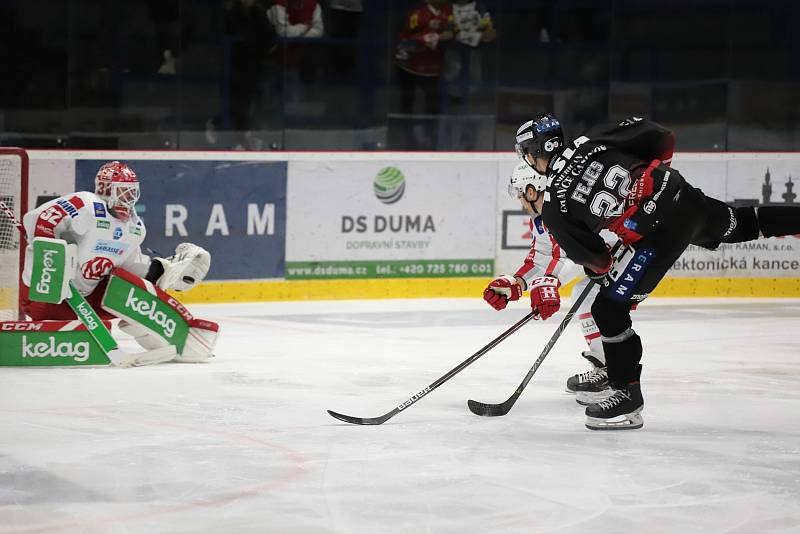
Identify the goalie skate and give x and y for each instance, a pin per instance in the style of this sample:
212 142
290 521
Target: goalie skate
621 411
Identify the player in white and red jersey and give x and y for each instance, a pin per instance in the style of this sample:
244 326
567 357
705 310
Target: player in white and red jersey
544 270
108 234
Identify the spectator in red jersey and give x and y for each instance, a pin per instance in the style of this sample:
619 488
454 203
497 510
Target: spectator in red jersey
419 59
297 19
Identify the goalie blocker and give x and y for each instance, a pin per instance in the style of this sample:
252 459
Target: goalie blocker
156 319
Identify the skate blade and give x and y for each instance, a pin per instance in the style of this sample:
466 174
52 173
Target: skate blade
631 421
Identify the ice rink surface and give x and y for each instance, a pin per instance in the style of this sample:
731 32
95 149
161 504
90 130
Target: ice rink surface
244 444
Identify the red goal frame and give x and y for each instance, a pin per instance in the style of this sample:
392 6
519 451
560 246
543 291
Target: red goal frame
23 208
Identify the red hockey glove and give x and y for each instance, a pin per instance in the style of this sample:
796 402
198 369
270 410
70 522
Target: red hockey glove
501 291
545 299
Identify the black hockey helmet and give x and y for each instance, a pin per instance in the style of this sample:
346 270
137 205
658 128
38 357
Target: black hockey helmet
539 137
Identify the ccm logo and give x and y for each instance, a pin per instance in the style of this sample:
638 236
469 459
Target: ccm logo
20 327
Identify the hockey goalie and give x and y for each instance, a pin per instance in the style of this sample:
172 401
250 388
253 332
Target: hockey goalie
104 236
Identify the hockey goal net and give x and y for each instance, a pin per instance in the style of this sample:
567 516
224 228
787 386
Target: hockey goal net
14 195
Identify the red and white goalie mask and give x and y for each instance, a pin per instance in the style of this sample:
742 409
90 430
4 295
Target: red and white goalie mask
117 184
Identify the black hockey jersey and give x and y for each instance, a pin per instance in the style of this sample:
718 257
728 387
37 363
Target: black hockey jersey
594 183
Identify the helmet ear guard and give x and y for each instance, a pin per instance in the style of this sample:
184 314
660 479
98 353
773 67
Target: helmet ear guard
539 137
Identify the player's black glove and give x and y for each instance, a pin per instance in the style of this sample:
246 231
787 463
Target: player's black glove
597 277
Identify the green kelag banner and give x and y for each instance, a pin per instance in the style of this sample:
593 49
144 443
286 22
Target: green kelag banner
128 297
48 343
52 258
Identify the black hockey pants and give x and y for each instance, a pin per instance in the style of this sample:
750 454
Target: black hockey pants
696 219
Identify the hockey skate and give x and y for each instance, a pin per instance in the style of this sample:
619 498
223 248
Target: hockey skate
621 411
592 386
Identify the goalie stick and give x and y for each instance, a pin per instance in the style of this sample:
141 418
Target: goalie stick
495 410
88 317
450 374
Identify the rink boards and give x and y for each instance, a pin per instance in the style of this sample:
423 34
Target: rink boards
303 226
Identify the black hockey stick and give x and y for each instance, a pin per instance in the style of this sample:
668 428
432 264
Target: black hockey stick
494 410
453 372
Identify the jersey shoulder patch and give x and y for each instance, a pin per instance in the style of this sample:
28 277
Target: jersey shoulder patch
538 225
71 205
100 210
138 229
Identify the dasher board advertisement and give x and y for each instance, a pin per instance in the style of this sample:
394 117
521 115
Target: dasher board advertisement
233 209
390 219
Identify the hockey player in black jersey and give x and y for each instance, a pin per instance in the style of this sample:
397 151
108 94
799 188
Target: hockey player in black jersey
619 178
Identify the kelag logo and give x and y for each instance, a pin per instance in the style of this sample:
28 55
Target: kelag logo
389 185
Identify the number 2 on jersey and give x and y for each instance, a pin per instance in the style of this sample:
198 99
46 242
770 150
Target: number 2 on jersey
606 204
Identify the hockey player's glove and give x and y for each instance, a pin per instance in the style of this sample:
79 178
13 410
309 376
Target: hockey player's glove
615 252
545 300
501 291
184 270
597 277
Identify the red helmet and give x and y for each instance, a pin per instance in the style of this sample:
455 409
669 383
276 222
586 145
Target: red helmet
117 184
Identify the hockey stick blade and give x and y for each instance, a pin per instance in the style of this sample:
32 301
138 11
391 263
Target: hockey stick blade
422 393
361 420
489 410
495 410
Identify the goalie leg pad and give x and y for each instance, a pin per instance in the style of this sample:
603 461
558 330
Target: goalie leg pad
200 342
144 337
149 357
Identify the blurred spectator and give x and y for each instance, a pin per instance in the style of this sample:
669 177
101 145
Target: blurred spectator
165 19
169 65
544 17
252 40
293 19
419 60
297 18
463 67
463 63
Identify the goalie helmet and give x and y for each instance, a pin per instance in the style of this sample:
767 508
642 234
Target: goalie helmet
118 186
523 176
539 137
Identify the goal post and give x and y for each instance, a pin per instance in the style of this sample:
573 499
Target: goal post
14 194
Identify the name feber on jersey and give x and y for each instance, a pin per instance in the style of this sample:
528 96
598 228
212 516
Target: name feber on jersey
149 310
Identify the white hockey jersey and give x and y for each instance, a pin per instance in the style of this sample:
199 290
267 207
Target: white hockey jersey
103 241
545 257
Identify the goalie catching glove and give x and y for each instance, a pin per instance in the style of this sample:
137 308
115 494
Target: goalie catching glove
183 270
